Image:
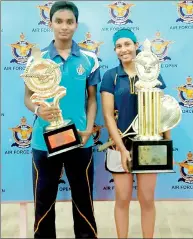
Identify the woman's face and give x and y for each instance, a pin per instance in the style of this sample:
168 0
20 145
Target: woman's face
125 49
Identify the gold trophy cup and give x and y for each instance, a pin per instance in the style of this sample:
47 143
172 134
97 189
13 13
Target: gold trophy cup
43 76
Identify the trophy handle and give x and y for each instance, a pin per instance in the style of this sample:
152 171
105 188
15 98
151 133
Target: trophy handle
37 101
61 92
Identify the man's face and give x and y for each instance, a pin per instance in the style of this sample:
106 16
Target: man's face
63 25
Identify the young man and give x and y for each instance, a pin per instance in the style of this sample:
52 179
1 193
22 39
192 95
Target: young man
80 105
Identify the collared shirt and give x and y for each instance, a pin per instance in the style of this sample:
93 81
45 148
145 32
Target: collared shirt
117 82
79 70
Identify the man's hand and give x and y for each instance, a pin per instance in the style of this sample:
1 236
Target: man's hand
84 135
48 113
125 159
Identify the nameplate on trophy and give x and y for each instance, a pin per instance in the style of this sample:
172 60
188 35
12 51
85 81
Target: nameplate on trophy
62 139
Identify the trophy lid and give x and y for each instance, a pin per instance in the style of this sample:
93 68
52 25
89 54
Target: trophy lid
147 66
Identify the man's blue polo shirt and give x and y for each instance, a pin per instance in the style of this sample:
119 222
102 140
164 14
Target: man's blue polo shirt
116 82
79 70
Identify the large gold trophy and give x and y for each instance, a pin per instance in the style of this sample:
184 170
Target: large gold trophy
42 76
157 113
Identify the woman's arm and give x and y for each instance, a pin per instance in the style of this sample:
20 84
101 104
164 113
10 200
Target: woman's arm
108 112
167 135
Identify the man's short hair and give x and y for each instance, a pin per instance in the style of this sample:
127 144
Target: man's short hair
64 5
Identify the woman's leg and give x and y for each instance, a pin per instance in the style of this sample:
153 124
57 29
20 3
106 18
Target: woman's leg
123 194
146 188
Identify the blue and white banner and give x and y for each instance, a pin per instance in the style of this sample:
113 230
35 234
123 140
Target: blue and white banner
25 23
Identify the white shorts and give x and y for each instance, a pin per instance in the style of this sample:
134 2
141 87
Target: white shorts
113 161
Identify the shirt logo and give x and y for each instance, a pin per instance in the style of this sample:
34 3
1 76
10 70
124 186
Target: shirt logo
80 70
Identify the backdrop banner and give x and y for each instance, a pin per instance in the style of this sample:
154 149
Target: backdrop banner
171 35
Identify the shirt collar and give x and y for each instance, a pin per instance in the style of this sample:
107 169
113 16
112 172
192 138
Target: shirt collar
120 71
75 50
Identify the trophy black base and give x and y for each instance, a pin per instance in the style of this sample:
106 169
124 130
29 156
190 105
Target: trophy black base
151 156
62 140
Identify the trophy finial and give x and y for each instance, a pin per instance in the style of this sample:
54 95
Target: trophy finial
147 45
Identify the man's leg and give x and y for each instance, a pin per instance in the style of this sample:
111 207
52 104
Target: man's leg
78 164
46 174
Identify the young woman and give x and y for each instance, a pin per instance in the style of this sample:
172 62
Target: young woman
118 95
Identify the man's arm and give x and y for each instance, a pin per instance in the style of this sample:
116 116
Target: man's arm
91 107
45 112
91 113
92 81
